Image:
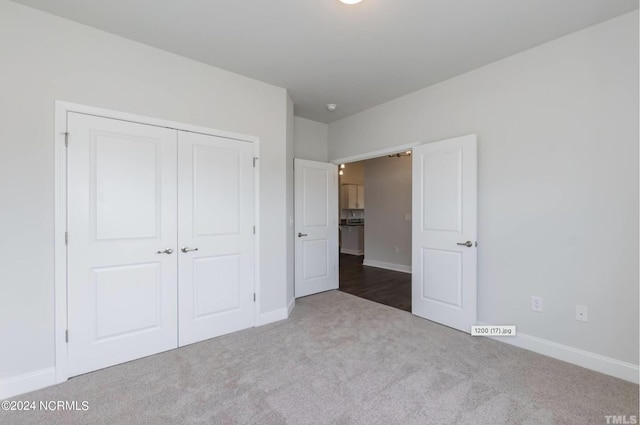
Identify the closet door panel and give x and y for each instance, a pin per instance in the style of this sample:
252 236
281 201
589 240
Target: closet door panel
122 210
215 228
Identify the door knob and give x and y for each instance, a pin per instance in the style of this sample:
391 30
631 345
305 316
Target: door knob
187 249
468 244
302 234
166 251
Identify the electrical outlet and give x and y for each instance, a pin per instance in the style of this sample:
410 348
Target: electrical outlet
582 313
396 250
537 304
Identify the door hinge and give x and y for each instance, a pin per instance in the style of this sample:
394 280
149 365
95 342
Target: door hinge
255 158
254 297
66 139
66 238
66 335
254 230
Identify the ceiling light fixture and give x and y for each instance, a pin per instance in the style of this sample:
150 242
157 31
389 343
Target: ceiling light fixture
350 1
331 107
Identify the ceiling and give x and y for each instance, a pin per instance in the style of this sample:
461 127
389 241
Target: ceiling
323 51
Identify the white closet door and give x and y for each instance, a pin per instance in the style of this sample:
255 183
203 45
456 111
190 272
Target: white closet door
121 214
215 216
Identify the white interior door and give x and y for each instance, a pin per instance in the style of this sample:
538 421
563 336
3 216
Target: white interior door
445 231
122 241
316 227
215 216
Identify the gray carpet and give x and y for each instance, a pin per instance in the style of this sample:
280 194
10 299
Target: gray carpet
340 360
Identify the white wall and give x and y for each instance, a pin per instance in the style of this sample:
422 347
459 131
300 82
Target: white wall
311 139
558 180
387 190
290 211
353 173
44 58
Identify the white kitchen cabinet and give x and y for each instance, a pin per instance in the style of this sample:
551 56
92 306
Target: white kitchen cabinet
352 197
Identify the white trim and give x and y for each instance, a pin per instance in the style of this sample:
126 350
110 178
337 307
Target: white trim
351 251
141 119
389 266
272 316
607 365
60 249
376 154
62 109
28 382
256 240
291 306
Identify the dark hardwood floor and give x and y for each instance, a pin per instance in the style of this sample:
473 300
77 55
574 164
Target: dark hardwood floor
382 286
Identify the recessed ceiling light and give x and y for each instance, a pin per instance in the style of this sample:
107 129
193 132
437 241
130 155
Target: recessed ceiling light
332 107
350 1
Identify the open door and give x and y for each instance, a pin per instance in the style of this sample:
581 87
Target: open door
445 231
316 227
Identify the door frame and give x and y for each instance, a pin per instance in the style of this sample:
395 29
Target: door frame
371 155
62 109
377 153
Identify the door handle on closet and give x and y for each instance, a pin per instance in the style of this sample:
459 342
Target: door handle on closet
302 234
166 251
187 249
468 244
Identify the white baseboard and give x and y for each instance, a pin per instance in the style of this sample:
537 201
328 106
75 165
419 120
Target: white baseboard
351 251
586 359
272 316
26 383
389 266
290 306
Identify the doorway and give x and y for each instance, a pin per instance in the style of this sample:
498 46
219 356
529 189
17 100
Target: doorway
443 218
375 229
